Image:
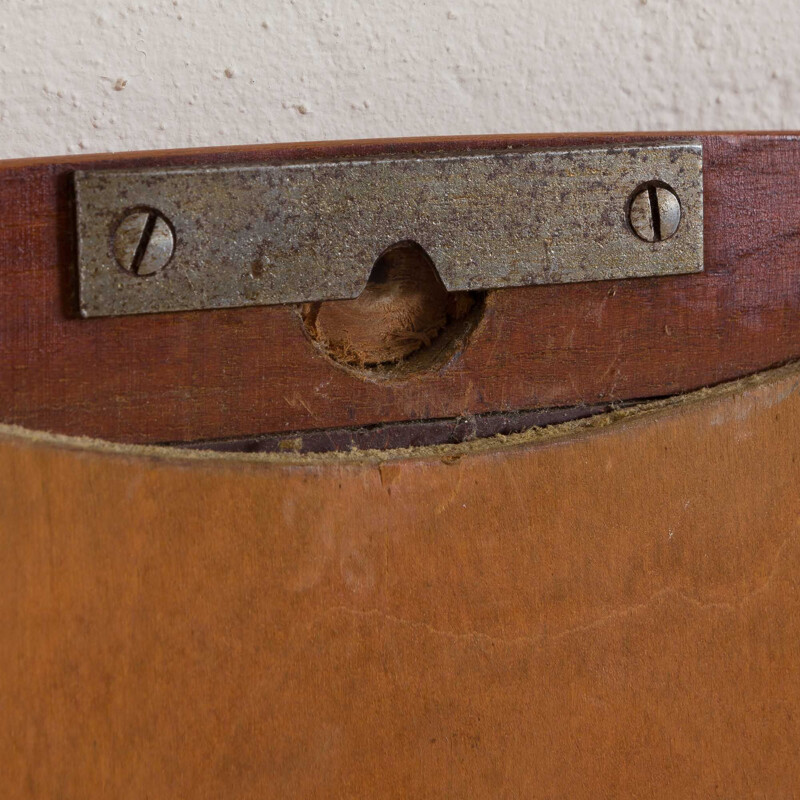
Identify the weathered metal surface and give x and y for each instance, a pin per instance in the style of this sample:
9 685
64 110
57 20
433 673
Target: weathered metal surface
295 232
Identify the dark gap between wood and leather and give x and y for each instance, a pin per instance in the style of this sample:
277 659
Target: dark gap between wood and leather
399 435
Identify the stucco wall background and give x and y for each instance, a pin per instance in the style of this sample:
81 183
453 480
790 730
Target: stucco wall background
120 75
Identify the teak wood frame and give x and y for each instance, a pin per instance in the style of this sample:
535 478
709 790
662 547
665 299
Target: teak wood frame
238 372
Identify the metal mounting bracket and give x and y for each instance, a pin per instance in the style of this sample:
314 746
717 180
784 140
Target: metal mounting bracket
217 237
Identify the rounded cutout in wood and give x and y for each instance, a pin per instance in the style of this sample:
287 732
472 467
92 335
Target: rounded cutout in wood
404 321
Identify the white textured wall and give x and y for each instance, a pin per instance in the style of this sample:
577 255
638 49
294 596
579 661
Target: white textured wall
79 76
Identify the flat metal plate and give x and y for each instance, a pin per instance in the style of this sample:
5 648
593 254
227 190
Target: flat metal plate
295 232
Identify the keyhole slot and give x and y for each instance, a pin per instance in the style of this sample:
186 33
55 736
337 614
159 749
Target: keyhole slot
404 321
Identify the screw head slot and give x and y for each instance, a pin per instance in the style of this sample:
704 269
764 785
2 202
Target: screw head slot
143 242
654 212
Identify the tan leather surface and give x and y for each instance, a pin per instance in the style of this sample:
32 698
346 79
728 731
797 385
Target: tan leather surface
612 614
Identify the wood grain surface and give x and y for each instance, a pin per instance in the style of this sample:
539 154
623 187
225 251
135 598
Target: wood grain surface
244 372
613 612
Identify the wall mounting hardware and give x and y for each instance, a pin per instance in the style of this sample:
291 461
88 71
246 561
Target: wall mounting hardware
215 237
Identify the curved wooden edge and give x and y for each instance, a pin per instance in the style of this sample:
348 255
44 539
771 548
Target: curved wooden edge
613 614
343 147
244 372
447 453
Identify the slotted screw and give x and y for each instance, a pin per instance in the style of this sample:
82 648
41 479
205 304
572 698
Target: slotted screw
144 242
654 213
